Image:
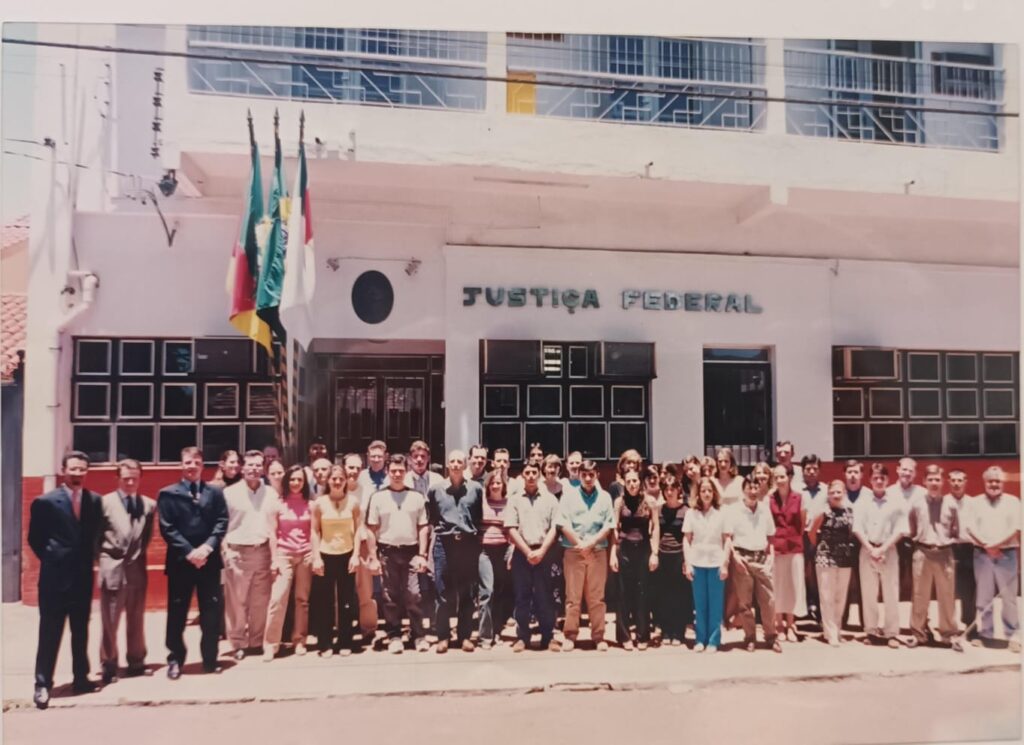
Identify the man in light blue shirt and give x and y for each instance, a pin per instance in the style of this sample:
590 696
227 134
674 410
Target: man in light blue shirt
586 518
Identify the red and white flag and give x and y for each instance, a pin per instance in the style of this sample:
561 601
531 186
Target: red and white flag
299 261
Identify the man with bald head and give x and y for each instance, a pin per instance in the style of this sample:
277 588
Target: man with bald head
455 513
993 523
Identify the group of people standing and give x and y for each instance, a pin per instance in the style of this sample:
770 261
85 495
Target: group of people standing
673 546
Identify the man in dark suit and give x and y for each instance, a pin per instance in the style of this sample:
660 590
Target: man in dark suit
125 529
62 533
193 521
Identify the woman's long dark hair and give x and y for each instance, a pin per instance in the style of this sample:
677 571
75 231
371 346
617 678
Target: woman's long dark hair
297 468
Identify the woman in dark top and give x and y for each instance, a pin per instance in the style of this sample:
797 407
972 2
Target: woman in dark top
552 481
630 460
634 556
835 553
651 477
673 601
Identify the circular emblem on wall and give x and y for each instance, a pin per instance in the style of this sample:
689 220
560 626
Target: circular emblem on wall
372 297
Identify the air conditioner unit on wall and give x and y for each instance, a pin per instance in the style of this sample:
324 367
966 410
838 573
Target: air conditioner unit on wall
869 363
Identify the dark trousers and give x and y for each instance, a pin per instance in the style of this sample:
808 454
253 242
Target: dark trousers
182 579
51 631
456 571
400 591
633 581
334 597
532 585
963 560
673 595
496 595
811 580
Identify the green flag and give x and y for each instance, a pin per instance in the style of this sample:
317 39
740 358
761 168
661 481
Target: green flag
271 281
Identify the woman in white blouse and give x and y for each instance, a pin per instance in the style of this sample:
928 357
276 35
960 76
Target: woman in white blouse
707 545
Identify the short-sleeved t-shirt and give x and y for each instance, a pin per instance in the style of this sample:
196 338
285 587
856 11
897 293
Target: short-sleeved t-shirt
531 515
708 528
400 515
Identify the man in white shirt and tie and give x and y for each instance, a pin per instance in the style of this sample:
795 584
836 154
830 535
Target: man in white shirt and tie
126 526
246 550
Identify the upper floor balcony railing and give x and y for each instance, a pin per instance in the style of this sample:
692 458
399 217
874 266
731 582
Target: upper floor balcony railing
856 96
705 83
953 99
385 67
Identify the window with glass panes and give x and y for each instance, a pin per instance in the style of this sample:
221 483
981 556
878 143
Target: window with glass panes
588 396
149 398
925 403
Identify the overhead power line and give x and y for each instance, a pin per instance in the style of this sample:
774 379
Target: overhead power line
667 87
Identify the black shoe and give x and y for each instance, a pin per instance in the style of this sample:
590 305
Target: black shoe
84 685
41 697
214 669
109 676
173 670
135 672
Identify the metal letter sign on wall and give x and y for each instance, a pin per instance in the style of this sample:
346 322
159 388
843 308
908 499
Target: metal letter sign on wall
690 301
518 297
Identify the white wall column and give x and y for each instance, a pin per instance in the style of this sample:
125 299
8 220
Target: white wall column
775 83
497 67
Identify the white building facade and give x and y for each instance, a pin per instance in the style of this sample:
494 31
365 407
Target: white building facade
747 239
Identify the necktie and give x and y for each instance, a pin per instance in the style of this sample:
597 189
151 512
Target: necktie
194 488
133 506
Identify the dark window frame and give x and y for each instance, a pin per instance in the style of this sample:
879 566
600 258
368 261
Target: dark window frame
257 372
943 388
566 382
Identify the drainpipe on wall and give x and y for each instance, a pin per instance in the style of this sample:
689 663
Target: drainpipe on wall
90 283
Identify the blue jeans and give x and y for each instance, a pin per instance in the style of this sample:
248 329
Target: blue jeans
532 583
708 598
496 598
997 576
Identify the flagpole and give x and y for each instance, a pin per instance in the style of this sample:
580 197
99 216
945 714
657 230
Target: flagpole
282 419
289 376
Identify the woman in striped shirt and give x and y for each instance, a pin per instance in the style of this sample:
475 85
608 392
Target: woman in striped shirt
496 595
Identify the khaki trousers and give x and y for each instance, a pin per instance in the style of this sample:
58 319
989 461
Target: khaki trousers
933 567
290 568
833 586
585 577
364 592
246 593
130 599
754 583
886 574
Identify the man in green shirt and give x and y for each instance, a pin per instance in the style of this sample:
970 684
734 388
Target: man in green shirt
586 517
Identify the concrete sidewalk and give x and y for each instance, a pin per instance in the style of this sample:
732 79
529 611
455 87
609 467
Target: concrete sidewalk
457 672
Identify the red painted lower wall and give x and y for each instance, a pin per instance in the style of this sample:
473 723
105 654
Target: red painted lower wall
103 480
